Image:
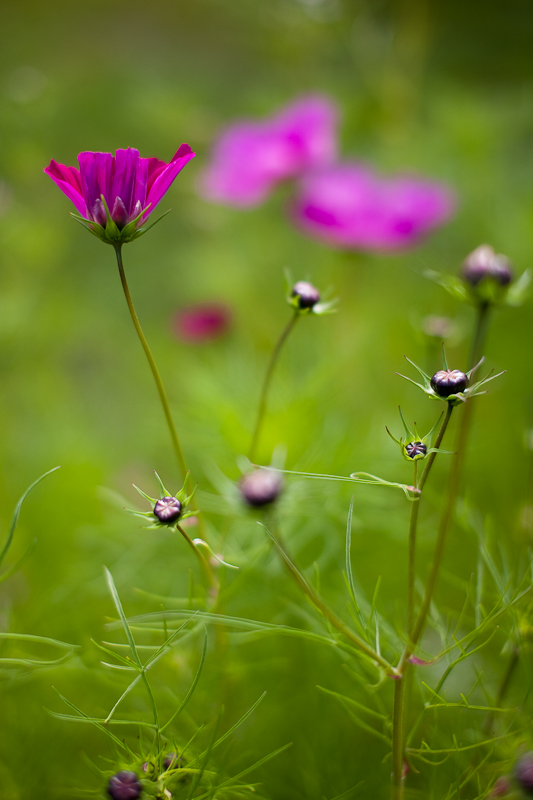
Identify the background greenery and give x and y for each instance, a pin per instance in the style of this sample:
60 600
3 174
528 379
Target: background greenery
439 87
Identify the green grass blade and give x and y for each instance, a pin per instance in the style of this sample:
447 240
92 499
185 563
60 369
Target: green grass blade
191 689
108 733
231 781
118 604
16 514
124 694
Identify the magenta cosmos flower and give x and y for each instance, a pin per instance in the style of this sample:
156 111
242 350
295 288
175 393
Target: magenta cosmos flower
251 157
347 205
115 195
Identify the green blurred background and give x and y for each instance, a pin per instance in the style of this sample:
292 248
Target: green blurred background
439 87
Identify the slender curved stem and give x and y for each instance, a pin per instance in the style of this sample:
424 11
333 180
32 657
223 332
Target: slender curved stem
401 688
327 612
266 383
202 560
478 343
153 366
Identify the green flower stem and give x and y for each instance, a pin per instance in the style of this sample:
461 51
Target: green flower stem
400 689
478 343
480 334
204 563
266 384
156 717
413 521
153 366
398 778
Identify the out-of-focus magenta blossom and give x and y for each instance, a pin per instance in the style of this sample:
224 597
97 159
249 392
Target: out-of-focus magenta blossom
116 194
251 157
202 322
348 205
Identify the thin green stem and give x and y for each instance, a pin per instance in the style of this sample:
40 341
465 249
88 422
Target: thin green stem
266 384
398 778
478 343
504 685
153 366
415 632
413 521
156 716
402 689
204 563
480 334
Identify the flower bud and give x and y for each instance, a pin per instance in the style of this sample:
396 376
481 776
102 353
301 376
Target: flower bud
173 761
449 381
484 264
307 294
413 449
524 773
500 788
261 487
124 786
167 509
438 327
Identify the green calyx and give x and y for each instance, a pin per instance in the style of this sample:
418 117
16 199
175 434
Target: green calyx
487 292
455 398
111 233
415 447
181 496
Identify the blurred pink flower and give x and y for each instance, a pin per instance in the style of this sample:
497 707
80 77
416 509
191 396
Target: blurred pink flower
202 322
348 205
129 184
251 157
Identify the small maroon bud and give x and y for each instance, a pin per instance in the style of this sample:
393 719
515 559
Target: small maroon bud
524 773
483 263
500 788
449 381
261 487
173 761
124 786
415 449
167 509
307 294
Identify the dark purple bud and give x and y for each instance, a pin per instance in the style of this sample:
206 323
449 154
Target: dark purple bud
500 788
260 487
124 786
483 263
524 773
307 294
173 761
415 449
167 509
449 381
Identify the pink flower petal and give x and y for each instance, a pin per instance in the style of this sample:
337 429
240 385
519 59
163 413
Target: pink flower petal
166 175
250 157
96 170
349 206
124 179
203 322
68 180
